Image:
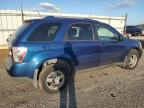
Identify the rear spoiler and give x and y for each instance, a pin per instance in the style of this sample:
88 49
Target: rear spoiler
30 20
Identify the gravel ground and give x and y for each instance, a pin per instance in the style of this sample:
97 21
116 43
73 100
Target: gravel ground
108 87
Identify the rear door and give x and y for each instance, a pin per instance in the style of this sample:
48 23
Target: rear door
81 45
111 49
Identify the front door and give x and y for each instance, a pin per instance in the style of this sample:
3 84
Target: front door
111 48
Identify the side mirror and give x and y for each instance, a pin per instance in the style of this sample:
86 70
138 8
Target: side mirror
120 38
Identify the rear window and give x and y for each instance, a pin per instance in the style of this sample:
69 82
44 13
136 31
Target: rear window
20 30
45 32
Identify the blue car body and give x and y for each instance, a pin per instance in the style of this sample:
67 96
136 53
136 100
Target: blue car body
82 53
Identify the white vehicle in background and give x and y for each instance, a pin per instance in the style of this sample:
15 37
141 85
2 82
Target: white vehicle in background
142 32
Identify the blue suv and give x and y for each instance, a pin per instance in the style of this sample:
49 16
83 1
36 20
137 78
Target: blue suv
49 50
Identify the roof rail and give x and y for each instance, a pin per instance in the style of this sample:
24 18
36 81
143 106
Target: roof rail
49 17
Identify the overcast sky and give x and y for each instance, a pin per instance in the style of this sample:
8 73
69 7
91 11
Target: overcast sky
134 8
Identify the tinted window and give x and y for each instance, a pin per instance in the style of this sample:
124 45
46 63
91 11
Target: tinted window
80 32
20 30
46 32
105 32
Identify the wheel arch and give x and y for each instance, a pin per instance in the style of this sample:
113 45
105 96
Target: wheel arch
138 49
54 61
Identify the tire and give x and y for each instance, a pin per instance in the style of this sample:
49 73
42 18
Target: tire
132 59
53 78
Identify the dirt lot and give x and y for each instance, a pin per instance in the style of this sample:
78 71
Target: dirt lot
110 87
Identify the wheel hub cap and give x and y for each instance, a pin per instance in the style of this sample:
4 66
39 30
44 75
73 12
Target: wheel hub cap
133 61
55 80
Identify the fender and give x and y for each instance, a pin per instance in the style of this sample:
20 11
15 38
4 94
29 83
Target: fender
48 62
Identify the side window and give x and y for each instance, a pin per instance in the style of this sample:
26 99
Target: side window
45 32
105 33
79 32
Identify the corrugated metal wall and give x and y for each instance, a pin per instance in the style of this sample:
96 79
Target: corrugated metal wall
11 19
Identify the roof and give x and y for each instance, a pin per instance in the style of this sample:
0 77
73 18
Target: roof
68 19
63 19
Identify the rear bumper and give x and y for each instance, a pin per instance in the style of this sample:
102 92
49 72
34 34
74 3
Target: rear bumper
20 69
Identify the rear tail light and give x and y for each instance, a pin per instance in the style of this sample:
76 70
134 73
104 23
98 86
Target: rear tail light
19 53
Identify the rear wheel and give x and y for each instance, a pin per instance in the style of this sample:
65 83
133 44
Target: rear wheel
53 78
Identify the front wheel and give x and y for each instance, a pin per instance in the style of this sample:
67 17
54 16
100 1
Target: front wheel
132 59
